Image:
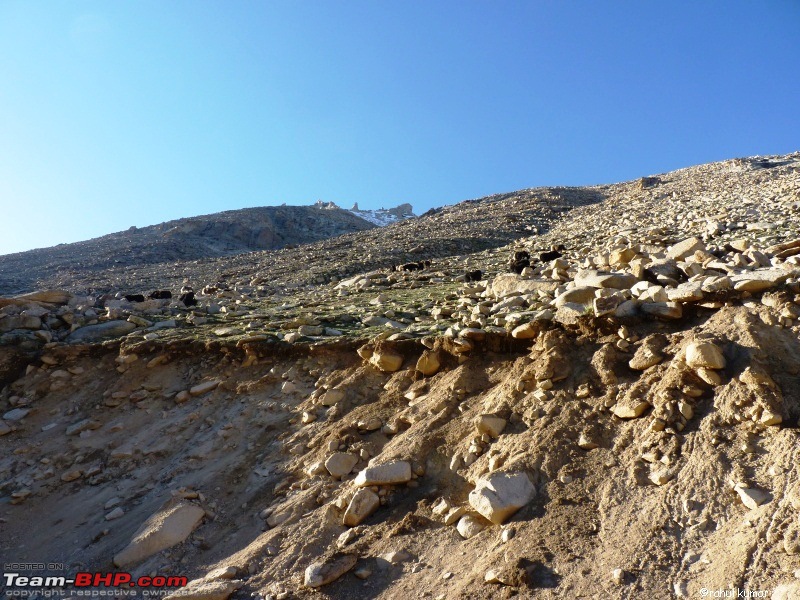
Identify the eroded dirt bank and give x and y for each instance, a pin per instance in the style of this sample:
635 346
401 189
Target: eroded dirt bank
655 466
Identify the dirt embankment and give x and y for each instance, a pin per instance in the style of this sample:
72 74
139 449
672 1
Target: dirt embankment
662 458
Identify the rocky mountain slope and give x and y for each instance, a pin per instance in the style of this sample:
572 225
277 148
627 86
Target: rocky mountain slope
195 238
620 420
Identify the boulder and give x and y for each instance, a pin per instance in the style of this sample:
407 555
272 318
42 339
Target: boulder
429 363
704 354
386 361
166 528
93 333
340 464
603 279
508 284
501 494
685 248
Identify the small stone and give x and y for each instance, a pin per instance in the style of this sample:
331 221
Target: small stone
618 576
202 388
491 425
454 514
660 477
331 397
71 475
685 248
752 498
17 414
469 526
586 443
632 410
362 505
709 376
115 514
324 572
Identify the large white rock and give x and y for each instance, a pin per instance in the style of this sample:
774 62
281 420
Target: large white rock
501 494
398 471
704 354
511 283
163 530
340 464
685 248
602 279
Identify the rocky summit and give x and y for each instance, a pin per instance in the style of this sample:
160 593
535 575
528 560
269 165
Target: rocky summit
552 393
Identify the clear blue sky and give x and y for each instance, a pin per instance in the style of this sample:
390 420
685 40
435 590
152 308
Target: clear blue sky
125 113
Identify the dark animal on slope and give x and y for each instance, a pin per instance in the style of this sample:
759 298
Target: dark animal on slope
188 299
550 255
160 295
134 297
475 275
414 266
522 259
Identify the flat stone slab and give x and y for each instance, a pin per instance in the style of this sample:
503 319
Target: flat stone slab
93 333
163 530
604 279
398 471
511 283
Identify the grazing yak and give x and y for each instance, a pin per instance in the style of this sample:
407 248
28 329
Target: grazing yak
521 259
160 295
188 299
134 297
413 266
475 275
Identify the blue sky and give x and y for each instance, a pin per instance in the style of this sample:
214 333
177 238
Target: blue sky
125 113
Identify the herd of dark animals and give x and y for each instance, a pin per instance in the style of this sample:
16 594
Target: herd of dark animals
519 261
522 258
